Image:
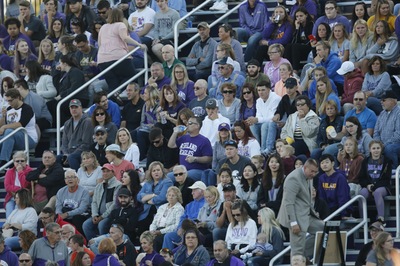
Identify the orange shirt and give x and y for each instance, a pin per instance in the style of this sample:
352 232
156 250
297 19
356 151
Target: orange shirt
88 251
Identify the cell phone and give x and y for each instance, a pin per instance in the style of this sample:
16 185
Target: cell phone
312 38
340 146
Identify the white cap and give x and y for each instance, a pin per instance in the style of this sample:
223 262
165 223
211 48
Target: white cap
346 67
198 184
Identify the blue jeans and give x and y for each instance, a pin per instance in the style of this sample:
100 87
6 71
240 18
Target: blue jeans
265 133
170 239
95 246
219 233
119 74
209 177
375 105
10 206
252 42
16 142
91 230
392 151
74 159
194 174
12 242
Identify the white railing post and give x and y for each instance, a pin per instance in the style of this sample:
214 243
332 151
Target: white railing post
26 141
397 202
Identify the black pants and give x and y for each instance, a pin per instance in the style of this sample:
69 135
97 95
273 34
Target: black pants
297 52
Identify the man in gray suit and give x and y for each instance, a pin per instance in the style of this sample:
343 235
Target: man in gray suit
297 213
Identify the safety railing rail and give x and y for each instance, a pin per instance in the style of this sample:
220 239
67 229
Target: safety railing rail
397 201
178 47
363 222
26 144
58 115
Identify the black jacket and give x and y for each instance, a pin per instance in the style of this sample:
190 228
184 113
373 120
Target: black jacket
186 191
53 181
384 178
127 217
169 157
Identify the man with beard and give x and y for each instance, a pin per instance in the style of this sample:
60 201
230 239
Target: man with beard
201 54
222 256
142 21
254 75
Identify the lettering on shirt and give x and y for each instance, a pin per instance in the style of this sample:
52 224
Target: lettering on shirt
187 149
329 186
239 232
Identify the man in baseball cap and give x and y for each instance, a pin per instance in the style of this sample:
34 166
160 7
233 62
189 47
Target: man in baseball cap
374 230
212 121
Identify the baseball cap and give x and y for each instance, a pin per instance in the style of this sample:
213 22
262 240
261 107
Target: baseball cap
226 61
346 67
290 83
230 142
253 62
198 184
118 226
124 192
75 102
108 166
377 225
204 25
114 147
389 94
211 103
224 126
100 129
229 187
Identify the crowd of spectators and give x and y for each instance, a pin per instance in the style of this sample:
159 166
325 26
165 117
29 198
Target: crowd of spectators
196 157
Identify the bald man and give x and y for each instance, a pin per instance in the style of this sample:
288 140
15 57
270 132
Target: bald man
170 61
25 260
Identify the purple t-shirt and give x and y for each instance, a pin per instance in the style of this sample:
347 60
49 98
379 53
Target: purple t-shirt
186 94
197 146
47 64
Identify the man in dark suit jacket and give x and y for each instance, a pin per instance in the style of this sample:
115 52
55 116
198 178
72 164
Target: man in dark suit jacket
296 212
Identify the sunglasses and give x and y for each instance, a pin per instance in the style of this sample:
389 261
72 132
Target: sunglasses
246 92
358 99
166 250
221 67
101 12
24 261
100 114
19 161
300 104
179 174
227 92
192 123
100 134
197 88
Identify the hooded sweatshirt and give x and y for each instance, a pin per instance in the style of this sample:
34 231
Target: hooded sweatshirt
8 257
352 83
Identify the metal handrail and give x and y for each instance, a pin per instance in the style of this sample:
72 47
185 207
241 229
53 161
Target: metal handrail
194 37
397 202
58 119
26 144
363 222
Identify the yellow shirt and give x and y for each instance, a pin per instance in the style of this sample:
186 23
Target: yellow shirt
371 23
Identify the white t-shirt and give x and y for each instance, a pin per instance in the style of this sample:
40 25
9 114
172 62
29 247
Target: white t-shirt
138 19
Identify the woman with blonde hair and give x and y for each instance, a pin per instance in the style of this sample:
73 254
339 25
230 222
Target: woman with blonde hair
381 255
146 242
153 193
271 68
382 12
23 54
167 217
339 41
89 173
46 54
181 83
128 147
274 236
360 42
324 93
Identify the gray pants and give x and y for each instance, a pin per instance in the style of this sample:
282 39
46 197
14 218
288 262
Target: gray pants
302 244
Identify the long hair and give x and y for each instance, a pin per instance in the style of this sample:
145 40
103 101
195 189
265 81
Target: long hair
378 16
328 32
381 61
319 97
51 33
244 216
332 37
10 84
287 18
18 56
52 53
355 39
115 15
97 21
228 50
355 149
245 184
386 30
269 222
149 176
78 258
302 9
153 96
25 198
127 133
134 185
247 132
174 81
379 242
106 115
355 121
187 113
354 17
89 154
267 175
68 42
35 70
163 101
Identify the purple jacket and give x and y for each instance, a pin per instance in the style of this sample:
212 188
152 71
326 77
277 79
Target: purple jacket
282 35
234 262
332 64
9 44
256 22
309 5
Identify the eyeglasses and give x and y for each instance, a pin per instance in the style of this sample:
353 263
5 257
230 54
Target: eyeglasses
358 99
100 134
156 141
221 67
227 92
192 123
179 174
230 142
300 104
60 232
24 261
246 92
101 12
330 8
100 114
19 161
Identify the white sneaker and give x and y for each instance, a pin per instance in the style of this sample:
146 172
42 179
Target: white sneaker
214 6
222 7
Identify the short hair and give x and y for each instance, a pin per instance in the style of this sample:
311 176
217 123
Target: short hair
22 83
221 242
107 246
81 38
381 61
229 86
136 86
50 227
77 239
325 45
279 47
13 93
12 21
213 191
199 120
264 83
305 98
177 192
180 166
25 4
20 154
48 210
69 227
327 156
55 2
154 133
103 4
157 64
312 162
70 170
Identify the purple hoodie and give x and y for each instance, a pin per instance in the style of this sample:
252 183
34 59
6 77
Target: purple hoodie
282 35
253 20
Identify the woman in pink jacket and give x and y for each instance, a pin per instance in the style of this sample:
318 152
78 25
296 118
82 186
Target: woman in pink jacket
15 180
